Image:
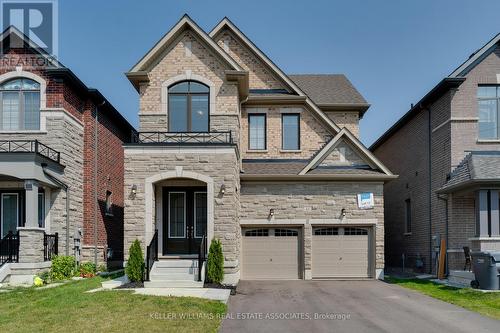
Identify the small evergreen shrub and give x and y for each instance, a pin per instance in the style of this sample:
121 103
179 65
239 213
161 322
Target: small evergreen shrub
135 263
63 267
87 269
215 262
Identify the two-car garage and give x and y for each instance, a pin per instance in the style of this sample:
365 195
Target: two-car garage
278 253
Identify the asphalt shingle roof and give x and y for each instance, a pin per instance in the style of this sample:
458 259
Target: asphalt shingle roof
328 88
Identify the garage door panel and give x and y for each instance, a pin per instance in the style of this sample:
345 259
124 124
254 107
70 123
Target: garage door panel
269 257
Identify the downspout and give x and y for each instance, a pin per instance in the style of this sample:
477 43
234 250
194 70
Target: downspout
96 202
66 189
430 189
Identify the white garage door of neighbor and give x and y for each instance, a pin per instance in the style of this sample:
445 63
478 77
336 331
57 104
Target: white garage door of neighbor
340 252
270 254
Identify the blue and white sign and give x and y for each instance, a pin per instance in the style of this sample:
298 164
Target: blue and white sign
365 200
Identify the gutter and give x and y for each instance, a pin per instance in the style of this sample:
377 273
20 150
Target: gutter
313 177
53 177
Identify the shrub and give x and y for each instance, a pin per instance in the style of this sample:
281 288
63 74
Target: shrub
215 262
87 269
135 263
45 276
102 268
63 267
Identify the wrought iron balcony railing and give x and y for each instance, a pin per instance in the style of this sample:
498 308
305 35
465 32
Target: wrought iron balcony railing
29 146
174 138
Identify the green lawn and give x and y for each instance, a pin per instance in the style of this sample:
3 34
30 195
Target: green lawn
68 308
487 304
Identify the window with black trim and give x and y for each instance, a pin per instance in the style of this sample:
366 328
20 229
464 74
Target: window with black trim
326 231
41 209
188 107
257 131
109 203
257 233
290 131
355 231
285 233
407 216
20 105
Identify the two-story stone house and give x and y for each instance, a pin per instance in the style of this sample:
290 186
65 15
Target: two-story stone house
446 151
61 164
232 148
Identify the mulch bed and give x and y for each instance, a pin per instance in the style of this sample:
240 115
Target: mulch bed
220 286
131 285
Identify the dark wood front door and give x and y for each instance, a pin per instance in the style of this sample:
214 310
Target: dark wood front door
184 219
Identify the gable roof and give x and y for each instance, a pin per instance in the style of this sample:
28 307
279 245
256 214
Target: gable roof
226 23
328 90
476 57
346 135
184 23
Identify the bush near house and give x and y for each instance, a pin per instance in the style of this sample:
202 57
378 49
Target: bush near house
135 263
63 267
87 269
215 262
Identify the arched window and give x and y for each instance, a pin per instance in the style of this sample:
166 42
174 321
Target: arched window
20 105
188 107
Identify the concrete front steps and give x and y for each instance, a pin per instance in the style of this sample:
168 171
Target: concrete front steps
175 273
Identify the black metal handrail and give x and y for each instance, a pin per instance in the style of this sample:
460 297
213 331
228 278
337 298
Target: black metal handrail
176 138
202 253
50 246
29 146
9 248
151 254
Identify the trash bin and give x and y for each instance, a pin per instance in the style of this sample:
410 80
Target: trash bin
486 268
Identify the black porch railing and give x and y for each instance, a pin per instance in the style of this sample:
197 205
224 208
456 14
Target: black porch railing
151 254
29 146
202 254
50 246
173 138
9 248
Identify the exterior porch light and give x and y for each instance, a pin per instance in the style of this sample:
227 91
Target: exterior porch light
343 213
134 189
223 188
271 213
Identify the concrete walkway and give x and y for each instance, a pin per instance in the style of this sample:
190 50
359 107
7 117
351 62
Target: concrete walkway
345 306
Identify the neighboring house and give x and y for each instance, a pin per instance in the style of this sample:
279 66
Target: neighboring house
446 151
60 154
232 148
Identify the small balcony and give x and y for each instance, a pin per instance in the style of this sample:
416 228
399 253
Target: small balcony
183 138
29 146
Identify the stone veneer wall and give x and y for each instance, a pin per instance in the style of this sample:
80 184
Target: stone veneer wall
223 168
350 120
320 201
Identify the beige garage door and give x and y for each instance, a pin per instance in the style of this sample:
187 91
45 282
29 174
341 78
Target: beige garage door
340 252
270 254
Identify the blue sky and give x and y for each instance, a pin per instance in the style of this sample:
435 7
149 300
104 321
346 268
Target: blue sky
392 51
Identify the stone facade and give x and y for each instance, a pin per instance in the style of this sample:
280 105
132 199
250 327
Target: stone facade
31 245
347 119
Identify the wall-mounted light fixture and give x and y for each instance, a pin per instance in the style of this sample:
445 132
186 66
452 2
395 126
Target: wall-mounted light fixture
134 189
223 188
343 212
271 213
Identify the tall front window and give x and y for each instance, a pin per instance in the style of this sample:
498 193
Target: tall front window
257 131
20 105
290 131
488 106
188 107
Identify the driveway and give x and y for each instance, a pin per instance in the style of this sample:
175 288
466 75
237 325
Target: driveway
344 306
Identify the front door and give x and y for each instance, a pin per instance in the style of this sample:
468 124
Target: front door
9 213
184 219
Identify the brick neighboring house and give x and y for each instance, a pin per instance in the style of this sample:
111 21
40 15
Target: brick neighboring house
232 148
55 164
446 152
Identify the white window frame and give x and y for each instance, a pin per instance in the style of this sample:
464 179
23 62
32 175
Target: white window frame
17 211
194 213
169 211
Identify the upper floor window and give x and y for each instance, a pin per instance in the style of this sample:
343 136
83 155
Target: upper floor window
257 131
290 131
488 106
188 107
20 105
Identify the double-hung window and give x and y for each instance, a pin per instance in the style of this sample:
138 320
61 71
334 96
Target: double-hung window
257 131
488 106
188 107
20 105
290 131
